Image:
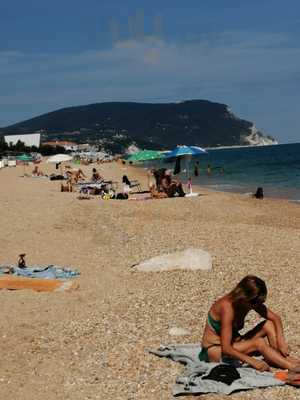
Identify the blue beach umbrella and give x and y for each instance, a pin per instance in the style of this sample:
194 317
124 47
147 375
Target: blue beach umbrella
187 152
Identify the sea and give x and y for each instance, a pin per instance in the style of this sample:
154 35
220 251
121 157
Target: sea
275 168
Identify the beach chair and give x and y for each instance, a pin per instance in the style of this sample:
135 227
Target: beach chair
135 184
132 183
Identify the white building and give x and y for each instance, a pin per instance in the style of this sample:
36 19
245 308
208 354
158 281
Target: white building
33 139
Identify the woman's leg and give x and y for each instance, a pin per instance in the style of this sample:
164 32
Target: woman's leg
264 329
257 343
214 353
271 355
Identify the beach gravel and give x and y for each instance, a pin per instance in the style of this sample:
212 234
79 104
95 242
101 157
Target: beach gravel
92 343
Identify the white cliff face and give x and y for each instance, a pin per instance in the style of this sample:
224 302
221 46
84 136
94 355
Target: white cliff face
256 138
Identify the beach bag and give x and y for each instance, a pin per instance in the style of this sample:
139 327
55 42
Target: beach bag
122 196
57 178
259 193
223 373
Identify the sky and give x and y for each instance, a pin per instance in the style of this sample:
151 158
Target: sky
245 54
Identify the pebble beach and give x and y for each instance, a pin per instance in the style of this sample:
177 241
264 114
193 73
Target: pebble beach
91 343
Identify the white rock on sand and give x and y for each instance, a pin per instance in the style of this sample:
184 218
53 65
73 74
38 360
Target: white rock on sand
189 259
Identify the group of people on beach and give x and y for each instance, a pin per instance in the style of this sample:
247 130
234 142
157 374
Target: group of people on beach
164 184
73 176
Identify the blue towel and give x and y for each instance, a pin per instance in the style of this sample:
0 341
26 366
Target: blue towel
41 272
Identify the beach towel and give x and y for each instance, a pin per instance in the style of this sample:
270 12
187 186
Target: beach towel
191 381
40 271
141 197
39 285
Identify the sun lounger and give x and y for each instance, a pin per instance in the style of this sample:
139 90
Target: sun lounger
98 188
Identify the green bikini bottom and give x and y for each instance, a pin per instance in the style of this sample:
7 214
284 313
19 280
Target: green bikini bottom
203 355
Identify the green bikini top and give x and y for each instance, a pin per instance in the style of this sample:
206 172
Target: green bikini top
215 325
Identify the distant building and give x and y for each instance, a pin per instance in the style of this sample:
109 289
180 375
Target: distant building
33 139
72 146
85 147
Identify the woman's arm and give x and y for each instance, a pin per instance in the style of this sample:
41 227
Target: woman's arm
268 314
227 318
164 183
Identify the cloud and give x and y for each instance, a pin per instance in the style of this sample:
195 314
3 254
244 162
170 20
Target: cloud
215 66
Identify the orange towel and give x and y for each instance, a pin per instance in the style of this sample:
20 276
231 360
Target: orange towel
38 285
281 375
289 377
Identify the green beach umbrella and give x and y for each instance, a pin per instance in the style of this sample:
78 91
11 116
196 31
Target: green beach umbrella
24 157
145 155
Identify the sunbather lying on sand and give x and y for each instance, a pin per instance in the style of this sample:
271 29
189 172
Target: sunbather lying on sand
226 318
75 174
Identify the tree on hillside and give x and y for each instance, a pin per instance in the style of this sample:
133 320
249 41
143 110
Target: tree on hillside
47 150
19 146
3 145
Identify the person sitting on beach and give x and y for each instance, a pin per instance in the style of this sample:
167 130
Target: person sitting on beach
158 176
37 172
226 317
125 180
126 185
68 187
96 177
79 175
170 186
21 261
151 178
155 194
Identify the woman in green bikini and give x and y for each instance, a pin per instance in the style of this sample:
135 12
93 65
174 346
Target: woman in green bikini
226 318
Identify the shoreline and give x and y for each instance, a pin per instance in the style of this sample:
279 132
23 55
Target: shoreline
142 173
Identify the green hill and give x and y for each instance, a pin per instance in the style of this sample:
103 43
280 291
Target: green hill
148 125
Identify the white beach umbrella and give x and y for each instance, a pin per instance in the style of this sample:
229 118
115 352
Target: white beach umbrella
59 158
